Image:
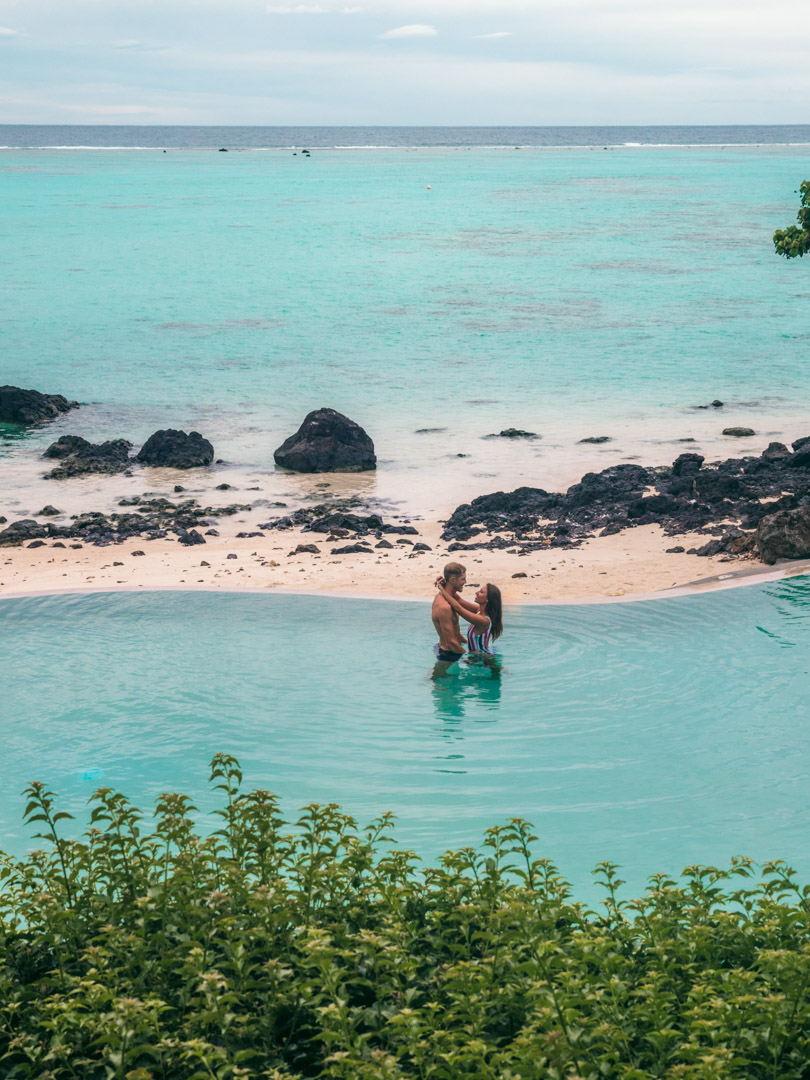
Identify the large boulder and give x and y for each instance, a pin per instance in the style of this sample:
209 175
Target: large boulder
20 531
78 456
327 441
785 535
801 458
739 432
173 449
19 406
687 464
775 451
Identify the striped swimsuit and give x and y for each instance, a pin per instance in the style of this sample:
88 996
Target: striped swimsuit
479 642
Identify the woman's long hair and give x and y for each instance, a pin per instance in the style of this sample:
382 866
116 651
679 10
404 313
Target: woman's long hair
494 611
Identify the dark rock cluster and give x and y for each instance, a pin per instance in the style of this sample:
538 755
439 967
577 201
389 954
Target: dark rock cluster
327 441
338 519
170 449
513 433
78 456
150 518
25 407
726 501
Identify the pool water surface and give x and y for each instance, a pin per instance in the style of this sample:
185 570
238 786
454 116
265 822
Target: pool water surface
655 734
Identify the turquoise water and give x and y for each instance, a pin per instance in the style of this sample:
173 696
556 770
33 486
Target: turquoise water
570 292
655 734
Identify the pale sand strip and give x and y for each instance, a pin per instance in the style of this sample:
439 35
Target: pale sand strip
629 565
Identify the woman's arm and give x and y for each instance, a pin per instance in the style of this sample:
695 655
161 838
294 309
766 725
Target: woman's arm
439 583
480 622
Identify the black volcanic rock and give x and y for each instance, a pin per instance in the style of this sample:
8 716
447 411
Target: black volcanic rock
174 449
18 406
152 518
785 535
714 486
352 522
687 464
618 482
801 459
513 433
775 451
78 456
327 441
498 511
190 538
726 499
20 531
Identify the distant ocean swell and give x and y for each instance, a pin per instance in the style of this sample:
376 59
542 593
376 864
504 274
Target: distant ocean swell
131 137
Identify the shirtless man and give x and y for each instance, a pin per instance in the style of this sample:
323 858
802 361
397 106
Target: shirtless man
451 644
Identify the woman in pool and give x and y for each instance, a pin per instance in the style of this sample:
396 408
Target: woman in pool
485 616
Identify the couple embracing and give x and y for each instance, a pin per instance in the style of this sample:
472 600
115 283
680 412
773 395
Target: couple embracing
484 616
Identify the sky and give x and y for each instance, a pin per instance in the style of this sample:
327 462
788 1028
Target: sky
367 62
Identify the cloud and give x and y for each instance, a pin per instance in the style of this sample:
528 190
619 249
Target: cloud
6 31
130 43
311 9
299 9
112 110
415 30
490 37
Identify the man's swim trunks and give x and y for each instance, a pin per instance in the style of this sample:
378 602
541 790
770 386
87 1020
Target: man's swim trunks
448 655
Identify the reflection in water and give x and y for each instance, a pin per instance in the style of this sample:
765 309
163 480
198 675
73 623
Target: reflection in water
473 681
10 435
793 605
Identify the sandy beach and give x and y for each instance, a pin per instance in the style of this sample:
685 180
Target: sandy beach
630 564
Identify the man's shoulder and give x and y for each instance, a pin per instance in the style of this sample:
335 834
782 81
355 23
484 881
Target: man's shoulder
439 601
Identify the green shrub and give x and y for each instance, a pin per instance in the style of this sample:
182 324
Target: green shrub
321 951
794 241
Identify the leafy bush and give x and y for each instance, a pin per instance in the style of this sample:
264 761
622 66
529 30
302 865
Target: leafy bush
795 239
322 951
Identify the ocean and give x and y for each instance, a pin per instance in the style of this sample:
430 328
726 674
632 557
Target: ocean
573 282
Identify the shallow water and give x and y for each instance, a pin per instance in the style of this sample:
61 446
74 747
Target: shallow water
569 292
655 734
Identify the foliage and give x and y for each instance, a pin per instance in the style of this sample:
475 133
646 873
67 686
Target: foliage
265 951
795 240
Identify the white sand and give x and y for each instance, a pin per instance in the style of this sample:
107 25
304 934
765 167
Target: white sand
626 565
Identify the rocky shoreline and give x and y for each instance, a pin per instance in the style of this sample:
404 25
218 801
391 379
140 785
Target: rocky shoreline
744 507
748 505
741 507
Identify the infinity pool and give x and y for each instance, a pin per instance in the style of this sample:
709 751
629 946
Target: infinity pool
655 734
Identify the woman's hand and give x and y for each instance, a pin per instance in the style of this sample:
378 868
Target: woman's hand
439 583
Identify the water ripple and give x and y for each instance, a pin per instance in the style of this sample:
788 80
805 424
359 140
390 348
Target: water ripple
656 734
